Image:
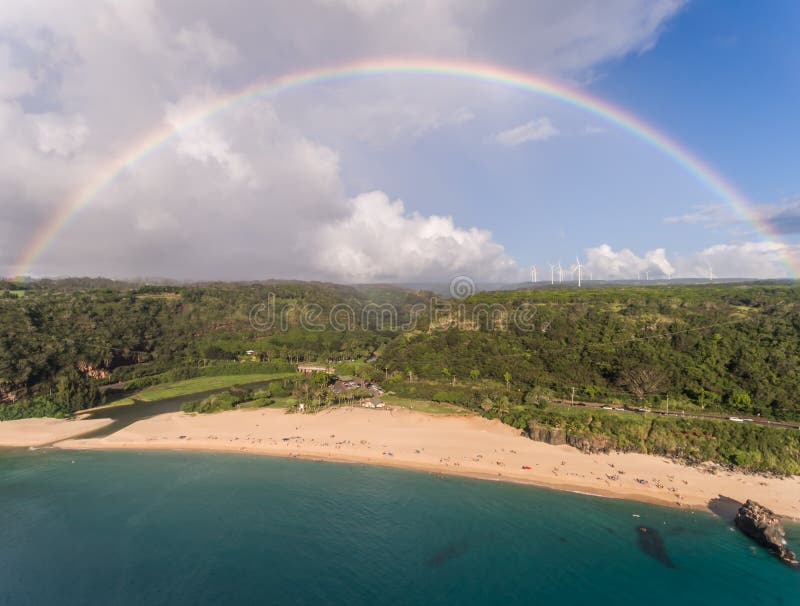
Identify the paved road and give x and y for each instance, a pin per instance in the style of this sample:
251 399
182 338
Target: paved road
688 415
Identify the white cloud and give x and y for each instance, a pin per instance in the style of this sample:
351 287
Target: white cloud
379 240
540 129
607 263
258 191
61 135
734 260
741 260
204 143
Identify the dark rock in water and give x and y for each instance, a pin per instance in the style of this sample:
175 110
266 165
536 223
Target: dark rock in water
447 553
763 526
652 544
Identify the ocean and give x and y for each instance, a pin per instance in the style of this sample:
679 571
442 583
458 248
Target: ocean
194 528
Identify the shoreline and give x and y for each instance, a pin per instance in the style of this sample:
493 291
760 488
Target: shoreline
43 431
450 445
371 462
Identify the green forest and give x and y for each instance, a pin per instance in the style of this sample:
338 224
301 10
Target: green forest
715 349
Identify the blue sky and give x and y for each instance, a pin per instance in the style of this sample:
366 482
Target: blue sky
722 80
308 185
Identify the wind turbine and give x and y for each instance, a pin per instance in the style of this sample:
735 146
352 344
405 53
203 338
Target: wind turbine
579 267
533 274
560 273
552 273
710 273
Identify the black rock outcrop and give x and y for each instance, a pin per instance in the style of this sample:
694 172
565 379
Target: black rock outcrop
762 525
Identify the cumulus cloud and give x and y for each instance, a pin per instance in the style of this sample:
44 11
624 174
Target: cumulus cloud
258 191
203 142
732 260
607 263
741 260
540 129
257 199
379 240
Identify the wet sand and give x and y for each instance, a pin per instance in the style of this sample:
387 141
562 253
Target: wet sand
39 432
457 445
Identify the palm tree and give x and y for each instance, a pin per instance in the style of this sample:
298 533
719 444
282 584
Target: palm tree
503 406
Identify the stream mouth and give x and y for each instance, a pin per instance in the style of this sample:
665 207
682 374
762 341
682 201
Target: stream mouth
127 414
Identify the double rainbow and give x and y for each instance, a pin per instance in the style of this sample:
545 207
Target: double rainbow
155 139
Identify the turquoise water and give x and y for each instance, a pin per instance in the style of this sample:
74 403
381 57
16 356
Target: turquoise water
181 528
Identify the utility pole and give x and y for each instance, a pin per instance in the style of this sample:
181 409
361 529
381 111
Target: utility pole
573 397
667 403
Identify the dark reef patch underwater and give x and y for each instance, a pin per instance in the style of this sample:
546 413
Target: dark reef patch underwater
651 543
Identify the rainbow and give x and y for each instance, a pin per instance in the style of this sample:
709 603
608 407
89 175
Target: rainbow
152 141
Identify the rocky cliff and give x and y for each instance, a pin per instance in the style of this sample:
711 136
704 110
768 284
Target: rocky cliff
559 436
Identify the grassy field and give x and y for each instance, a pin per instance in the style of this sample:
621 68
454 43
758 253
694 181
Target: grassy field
198 385
437 408
280 402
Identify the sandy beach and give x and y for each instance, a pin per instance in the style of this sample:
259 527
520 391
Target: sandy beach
468 446
38 432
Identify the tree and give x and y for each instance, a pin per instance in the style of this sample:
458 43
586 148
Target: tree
739 400
503 407
75 391
474 374
507 378
642 381
214 352
539 396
